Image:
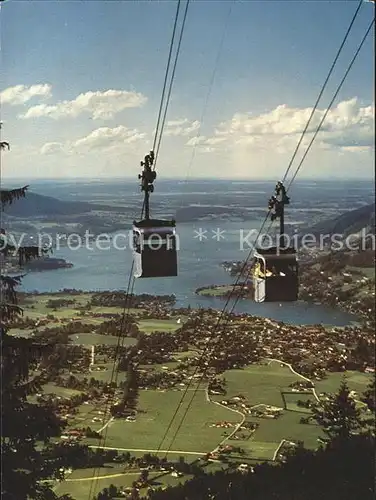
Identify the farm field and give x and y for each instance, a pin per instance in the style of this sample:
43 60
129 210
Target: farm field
89 339
36 306
86 414
356 381
264 384
260 383
161 325
103 374
291 400
79 482
369 272
50 388
156 409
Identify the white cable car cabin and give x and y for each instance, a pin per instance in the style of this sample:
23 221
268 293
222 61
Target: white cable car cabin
154 248
275 275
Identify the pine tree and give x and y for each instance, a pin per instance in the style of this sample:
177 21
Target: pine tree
339 416
369 396
25 427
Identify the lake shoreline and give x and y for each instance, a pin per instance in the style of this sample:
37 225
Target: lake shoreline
214 303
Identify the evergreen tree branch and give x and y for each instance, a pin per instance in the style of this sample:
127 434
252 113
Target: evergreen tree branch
8 196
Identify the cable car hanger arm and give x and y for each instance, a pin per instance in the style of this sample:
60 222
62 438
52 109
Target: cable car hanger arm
147 177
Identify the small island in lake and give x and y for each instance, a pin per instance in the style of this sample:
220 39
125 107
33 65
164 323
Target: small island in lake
244 290
41 264
47 263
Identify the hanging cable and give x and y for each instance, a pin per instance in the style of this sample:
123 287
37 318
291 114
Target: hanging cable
166 74
216 63
115 369
322 89
245 265
331 102
223 313
121 337
171 83
153 153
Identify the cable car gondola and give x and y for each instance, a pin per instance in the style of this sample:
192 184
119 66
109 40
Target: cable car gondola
275 272
154 240
154 243
276 275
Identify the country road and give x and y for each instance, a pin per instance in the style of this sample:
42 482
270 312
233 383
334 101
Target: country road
182 452
201 453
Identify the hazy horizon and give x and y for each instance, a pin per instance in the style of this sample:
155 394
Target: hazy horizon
190 179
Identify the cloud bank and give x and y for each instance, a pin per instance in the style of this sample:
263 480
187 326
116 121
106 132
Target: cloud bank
245 144
346 125
21 94
99 105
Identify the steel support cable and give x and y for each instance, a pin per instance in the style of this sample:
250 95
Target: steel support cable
119 346
181 399
315 106
114 378
323 89
115 366
207 347
332 101
223 313
245 264
168 96
211 83
164 86
171 83
166 74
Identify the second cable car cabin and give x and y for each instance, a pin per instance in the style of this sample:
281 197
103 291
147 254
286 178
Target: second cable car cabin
275 272
275 275
154 249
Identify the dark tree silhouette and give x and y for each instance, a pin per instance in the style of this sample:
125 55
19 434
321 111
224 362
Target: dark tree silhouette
343 469
339 416
369 396
341 472
24 466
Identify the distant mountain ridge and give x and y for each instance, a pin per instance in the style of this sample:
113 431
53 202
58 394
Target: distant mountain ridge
38 205
194 213
348 223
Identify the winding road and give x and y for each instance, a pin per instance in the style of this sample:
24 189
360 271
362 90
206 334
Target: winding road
197 453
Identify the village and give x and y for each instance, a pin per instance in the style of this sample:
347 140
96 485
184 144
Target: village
339 279
162 351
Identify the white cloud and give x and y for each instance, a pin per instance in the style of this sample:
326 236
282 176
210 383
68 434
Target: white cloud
105 137
51 148
348 125
102 138
177 123
20 94
182 127
195 141
100 105
246 146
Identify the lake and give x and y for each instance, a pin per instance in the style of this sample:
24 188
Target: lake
199 265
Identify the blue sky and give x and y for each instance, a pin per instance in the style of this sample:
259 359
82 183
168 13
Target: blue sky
274 53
